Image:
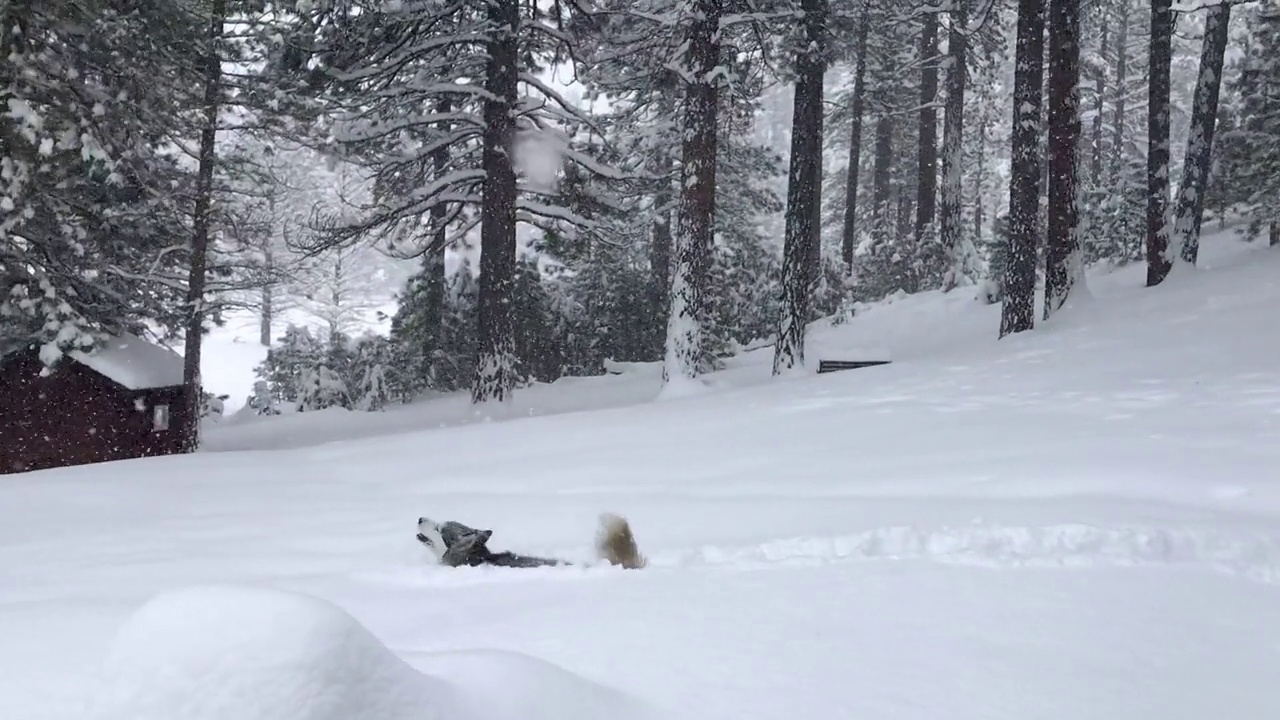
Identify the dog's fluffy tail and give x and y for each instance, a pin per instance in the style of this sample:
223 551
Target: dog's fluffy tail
616 543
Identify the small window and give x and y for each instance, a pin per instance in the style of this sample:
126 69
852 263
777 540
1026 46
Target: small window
160 418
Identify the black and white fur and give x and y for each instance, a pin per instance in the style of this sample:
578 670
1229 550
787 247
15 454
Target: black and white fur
458 545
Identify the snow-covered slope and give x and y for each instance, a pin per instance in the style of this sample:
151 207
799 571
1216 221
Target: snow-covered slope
1083 521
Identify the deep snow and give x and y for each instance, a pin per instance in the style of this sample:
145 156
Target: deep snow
1082 521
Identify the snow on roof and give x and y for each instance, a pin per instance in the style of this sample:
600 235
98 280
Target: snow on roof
133 362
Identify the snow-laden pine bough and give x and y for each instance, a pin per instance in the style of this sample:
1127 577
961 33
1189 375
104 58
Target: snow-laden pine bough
457 545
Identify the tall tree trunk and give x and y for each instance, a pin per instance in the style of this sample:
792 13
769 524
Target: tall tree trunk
1204 118
1099 105
1063 262
266 314
433 265
882 179
660 256
980 181
927 157
685 355
660 245
496 362
804 191
1121 97
953 146
849 233
1158 260
1018 309
201 221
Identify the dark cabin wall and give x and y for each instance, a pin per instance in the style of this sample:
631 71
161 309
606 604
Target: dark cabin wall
74 416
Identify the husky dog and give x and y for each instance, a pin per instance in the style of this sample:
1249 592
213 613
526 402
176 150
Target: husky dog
457 545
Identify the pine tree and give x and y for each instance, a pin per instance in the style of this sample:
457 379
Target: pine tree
1158 103
1064 270
388 64
804 189
1204 118
928 259
90 188
857 104
693 238
959 250
1018 311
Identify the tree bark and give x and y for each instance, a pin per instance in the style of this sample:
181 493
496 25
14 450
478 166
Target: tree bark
685 354
804 192
953 146
1204 119
980 177
201 221
496 363
661 241
882 180
1158 260
1062 257
927 157
660 256
266 314
1099 106
433 265
849 233
1018 309
1119 106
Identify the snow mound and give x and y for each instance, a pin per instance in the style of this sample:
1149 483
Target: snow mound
502 685
240 653
232 653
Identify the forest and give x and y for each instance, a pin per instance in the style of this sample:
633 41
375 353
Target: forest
550 185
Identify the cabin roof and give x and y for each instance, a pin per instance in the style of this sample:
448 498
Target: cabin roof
133 362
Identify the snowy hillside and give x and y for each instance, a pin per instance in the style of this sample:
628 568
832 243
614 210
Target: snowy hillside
1082 521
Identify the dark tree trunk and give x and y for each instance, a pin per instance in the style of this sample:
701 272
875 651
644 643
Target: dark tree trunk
496 365
266 315
660 246
953 146
1122 74
849 233
201 221
980 179
433 267
804 190
685 354
660 258
906 216
1099 105
1062 249
882 180
927 157
1018 310
1204 118
1158 260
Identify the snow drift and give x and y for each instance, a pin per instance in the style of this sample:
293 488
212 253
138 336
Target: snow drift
240 653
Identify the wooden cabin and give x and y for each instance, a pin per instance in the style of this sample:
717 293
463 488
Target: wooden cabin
122 400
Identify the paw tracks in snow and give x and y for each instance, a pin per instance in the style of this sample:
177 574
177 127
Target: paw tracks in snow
1256 557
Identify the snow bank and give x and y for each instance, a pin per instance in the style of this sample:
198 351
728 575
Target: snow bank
501 685
241 653
232 653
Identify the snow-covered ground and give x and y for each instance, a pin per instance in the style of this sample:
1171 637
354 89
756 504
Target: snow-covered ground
1082 521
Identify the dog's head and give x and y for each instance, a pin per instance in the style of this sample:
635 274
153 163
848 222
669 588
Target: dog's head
429 534
442 537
